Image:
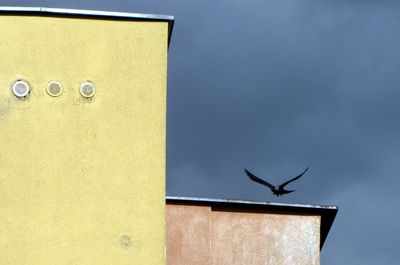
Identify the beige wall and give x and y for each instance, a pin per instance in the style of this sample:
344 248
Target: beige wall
83 180
198 235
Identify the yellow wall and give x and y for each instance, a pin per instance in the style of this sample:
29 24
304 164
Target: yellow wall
82 182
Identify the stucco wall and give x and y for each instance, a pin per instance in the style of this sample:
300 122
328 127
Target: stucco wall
83 181
199 235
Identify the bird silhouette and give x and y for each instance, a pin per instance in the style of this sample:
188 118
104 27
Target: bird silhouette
278 190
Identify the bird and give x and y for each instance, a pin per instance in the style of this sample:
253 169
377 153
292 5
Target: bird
278 190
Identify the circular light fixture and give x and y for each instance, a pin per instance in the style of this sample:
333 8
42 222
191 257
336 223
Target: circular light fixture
54 88
87 89
21 88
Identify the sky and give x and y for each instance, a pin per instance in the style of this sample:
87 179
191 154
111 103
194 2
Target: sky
276 86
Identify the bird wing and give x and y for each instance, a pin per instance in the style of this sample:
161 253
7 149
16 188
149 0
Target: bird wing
254 178
293 179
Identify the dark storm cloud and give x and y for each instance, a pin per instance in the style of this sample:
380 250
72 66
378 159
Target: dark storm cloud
276 86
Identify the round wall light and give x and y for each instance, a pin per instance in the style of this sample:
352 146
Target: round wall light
87 89
54 88
21 89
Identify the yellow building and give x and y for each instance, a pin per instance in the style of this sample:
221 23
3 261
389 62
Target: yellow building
83 126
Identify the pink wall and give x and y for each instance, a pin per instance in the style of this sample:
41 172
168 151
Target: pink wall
200 235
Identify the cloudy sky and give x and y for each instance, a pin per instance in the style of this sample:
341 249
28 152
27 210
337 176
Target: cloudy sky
275 86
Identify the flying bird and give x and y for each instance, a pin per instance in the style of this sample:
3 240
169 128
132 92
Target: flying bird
278 190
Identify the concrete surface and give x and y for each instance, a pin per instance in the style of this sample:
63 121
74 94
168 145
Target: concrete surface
83 180
204 235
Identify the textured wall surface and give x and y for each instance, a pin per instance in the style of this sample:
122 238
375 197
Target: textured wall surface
188 235
83 181
197 235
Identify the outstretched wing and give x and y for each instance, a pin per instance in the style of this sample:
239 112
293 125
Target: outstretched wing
254 178
293 179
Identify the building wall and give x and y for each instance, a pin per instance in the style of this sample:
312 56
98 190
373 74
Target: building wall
83 180
200 235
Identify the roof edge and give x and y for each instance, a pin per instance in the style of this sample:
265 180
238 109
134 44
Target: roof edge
90 13
246 202
66 11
